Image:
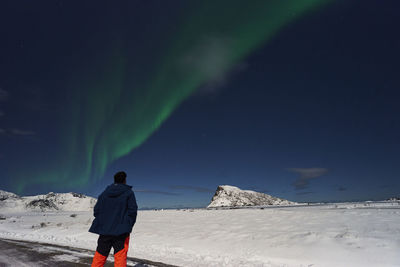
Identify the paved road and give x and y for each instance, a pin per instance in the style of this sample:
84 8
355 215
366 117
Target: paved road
33 254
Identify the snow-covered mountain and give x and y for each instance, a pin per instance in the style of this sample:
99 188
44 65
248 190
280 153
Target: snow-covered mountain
49 202
231 196
7 195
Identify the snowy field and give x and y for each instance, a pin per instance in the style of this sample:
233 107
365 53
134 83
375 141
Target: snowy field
352 234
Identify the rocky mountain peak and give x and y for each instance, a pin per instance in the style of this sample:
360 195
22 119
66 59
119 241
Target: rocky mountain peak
231 196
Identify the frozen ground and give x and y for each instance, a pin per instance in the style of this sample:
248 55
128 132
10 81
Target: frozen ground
353 234
32 254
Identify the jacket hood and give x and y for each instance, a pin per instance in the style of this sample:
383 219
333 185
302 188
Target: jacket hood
115 190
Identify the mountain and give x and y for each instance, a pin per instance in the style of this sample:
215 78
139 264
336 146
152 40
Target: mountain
4 195
49 202
231 196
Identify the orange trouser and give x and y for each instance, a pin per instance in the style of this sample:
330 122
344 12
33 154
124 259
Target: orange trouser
104 244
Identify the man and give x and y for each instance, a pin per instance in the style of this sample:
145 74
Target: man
115 214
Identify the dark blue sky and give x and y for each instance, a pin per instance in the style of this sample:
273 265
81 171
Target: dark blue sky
311 115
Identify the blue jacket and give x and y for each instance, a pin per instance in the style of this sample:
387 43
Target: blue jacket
115 211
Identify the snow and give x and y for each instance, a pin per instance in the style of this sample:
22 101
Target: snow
7 195
12 261
328 235
49 202
231 196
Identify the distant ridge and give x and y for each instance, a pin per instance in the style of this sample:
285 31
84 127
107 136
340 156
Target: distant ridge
231 196
48 202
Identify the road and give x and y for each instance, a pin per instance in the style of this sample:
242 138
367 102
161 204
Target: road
33 254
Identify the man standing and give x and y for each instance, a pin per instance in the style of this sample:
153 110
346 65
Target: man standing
115 214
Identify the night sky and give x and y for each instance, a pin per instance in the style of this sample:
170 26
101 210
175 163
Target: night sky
299 99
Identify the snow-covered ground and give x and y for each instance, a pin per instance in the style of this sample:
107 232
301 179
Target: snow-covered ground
363 234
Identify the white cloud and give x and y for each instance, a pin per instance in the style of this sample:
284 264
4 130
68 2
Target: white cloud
16 132
21 132
211 58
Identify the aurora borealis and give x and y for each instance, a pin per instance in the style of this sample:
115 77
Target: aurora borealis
113 74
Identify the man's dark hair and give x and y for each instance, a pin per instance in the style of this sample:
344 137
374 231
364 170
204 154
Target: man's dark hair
120 178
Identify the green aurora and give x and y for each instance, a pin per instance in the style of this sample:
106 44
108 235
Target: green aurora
110 114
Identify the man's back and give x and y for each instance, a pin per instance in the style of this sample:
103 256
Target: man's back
115 211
